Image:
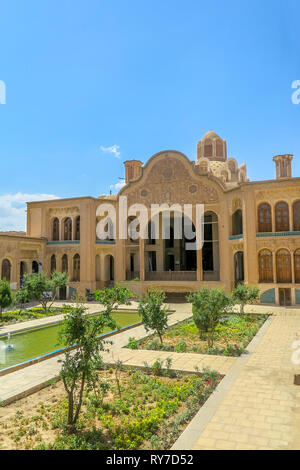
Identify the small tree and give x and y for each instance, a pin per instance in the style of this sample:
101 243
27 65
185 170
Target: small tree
22 297
154 316
243 295
43 289
208 306
79 366
112 298
6 297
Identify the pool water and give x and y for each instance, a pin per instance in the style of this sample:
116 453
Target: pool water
33 343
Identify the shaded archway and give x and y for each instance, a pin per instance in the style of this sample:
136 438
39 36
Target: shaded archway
64 264
35 267
239 267
109 268
52 264
55 229
237 223
77 228
23 270
6 270
76 268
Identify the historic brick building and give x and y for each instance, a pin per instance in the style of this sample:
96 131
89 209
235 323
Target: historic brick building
251 230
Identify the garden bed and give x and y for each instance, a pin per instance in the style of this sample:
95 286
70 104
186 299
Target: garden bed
154 408
232 335
15 316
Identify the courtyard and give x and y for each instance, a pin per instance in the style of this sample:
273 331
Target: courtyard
252 404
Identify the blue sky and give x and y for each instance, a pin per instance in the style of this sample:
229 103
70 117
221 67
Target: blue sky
139 77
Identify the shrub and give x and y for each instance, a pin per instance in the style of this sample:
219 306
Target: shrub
154 316
132 343
6 297
208 306
245 295
38 287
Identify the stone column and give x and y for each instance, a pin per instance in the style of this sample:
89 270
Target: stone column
293 267
199 265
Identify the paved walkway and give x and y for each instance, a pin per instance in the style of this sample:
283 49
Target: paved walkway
257 406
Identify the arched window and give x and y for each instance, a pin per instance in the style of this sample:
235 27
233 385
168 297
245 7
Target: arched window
68 229
35 267
283 266
297 266
76 268
265 266
109 268
239 267
53 264
208 148
77 228
264 218
6 270
282 217
64 264
55 229
296 213
237 223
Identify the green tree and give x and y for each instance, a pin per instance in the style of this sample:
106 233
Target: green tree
243 295
79 366
6 297
22 297
154 315
43 289
112 298
208 306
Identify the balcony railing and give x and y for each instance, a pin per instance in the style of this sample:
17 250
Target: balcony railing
171 276
130 275
211 275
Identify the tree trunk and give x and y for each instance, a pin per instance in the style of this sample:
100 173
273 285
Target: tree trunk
78 408
160 337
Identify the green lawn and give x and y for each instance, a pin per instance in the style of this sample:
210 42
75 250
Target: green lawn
32 313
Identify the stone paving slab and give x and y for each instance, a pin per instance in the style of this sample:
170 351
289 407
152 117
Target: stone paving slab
256 406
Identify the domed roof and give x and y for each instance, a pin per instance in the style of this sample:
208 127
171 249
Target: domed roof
210 135
217 166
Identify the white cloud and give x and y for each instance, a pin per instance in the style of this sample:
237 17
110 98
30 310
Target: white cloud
114 149
13 209
117 186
